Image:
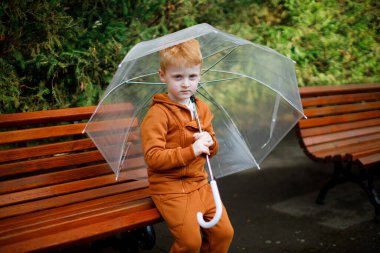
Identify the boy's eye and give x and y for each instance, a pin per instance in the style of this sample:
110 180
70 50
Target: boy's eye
192 77
178 77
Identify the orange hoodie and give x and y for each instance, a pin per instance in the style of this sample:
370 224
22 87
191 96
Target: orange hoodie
167 137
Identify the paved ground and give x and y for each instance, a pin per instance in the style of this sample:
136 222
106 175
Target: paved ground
273 210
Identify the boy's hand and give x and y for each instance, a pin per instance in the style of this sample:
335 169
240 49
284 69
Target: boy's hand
205 137
202 143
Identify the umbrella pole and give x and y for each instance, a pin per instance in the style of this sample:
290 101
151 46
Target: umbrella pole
209 167
214 186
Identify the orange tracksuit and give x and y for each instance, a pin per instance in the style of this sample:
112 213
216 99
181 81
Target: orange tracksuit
178 181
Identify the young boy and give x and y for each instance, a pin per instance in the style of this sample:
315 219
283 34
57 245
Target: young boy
175 151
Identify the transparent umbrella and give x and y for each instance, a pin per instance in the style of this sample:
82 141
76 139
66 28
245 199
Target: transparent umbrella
251 89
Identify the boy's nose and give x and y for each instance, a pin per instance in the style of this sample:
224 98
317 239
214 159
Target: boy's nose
186 83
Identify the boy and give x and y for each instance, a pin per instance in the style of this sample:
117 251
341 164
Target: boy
174 151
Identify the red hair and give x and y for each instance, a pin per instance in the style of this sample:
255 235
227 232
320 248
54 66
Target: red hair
186 54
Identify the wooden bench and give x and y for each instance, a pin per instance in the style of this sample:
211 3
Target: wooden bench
343 127
56 190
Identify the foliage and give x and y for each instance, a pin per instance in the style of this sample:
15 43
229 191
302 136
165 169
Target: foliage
58 54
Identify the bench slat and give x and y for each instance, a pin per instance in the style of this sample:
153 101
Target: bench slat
81 220
313 122
333 128
40 217
50 163
79 234
338 89
77 215
58 161
351 149
367 152
308 141
25 183
68 175
41 133
69 187
57 148
58 115
344 142
340 109
370 159
63 200
340 99
47 116
44 150
60 131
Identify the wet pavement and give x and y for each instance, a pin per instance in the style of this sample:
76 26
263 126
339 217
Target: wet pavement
274 210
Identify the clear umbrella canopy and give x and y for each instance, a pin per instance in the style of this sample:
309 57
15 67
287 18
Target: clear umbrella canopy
251 89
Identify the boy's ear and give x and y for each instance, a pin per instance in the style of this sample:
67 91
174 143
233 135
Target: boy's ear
161 73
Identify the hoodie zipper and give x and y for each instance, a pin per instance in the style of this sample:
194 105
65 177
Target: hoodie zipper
184 142
183 188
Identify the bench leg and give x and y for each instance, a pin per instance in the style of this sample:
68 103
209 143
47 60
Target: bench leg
343 173
99 246
372 194
335 180
142 238
146 238
128 242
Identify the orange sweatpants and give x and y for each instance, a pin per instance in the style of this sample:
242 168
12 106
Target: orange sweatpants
179 212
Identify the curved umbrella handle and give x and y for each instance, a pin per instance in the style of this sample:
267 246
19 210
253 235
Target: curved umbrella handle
218 212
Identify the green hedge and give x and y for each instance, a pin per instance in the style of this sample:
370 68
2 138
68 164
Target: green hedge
59 54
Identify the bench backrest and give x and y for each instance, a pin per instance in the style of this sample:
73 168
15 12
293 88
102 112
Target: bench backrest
46 162
340 120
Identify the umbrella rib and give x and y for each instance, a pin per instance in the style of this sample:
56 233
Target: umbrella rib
224 56
268 86
274 118
212 100
126 81
220 80
152 83
217 52
114 88
153 73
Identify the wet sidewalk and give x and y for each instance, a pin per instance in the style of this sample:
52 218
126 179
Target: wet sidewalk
274 210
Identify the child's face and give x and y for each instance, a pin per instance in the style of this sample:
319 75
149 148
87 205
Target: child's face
182 82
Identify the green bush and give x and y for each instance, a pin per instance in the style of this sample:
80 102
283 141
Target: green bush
58 54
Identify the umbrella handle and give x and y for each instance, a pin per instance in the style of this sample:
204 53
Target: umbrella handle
218 205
